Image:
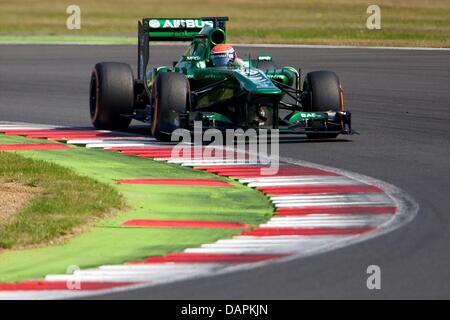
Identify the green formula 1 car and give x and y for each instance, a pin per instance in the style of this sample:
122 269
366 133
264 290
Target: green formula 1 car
214 87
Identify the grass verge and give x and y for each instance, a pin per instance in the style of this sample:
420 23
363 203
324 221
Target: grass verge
65 203
109 243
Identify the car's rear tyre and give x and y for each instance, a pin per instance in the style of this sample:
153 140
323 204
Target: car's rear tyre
111 95
323 93
171 97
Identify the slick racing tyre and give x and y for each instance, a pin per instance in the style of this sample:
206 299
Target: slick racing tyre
171 97
324 94
111 95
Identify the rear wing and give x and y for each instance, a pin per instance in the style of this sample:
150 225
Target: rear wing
170 29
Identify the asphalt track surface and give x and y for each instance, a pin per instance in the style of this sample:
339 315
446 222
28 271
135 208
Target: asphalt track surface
400 105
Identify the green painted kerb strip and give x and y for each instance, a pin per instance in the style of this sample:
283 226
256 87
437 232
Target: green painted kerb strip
107 242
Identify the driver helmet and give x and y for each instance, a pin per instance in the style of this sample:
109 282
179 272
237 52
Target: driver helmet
222 55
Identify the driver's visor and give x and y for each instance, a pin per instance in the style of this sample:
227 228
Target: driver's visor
221 59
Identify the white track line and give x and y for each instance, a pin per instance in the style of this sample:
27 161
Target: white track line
375 197
120 144
157 266
9 124
328 221
41 294
294 246
110 140
152 273
205 163
274 239
202 159
299 181
294 204
265 242
14 128
24 128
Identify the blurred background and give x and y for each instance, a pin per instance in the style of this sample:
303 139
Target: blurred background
342 22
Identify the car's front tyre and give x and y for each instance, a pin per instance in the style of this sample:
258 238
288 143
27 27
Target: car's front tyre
323 93
171 97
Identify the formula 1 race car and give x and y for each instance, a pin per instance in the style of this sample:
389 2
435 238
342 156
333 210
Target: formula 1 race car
213 87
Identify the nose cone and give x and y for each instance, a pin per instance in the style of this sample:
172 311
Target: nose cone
256 82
